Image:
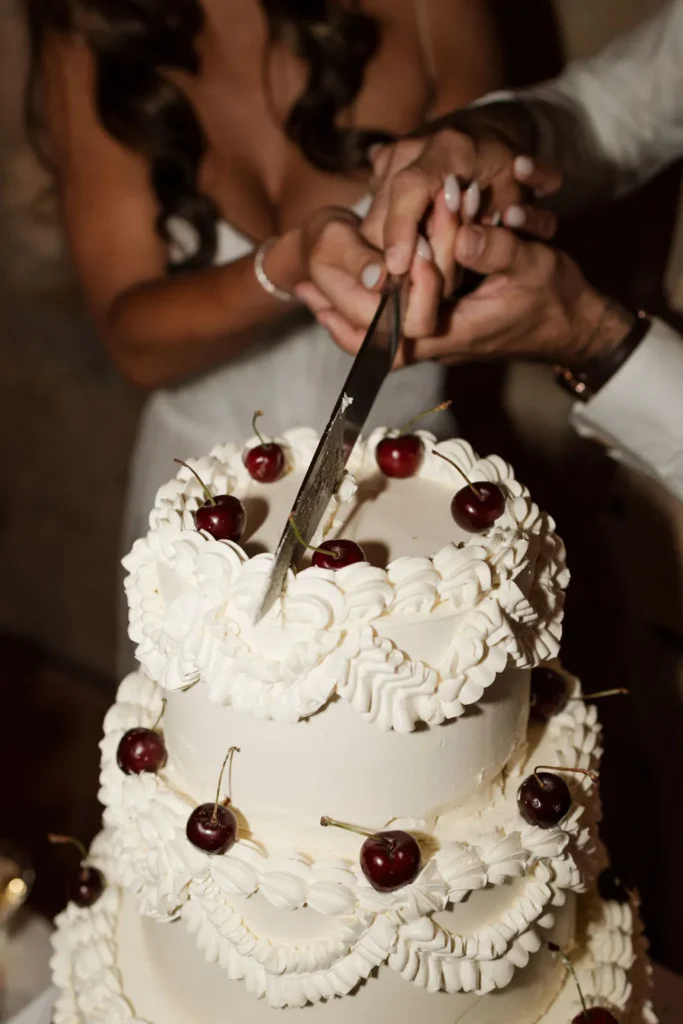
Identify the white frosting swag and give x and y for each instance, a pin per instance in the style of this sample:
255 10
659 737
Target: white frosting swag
286 917
192 598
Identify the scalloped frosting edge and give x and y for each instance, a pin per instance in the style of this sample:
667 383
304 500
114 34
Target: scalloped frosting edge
144 849
612 969
200 636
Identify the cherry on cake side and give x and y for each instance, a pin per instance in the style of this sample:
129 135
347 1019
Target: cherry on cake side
266 461
389 860
400 455
477 505
222 515
141 749
588 1015
335 554
550 693
212 827
88 885
544 798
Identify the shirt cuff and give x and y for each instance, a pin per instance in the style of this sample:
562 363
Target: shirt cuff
638 414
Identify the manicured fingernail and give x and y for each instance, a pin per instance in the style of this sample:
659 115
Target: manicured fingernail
424 249
523 167
370 275
515 217
397 260
374 151
472 200
495 218
452 193
471 242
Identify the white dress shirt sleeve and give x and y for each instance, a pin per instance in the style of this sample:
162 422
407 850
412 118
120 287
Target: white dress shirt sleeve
615 120
638 414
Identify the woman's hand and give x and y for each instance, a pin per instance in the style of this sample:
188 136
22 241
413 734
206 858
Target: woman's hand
432 184
345 275
470 177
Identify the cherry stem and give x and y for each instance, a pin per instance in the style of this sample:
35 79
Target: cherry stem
70 841
423 415
160 715
320 551
572 970
228 757
480 496
619 691
207 492
556 768
256 430
325 822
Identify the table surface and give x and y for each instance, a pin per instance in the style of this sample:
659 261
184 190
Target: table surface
31 1001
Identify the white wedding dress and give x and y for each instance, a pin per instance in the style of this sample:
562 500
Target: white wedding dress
293 374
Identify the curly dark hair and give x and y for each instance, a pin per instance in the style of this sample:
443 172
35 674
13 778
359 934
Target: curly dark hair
133 40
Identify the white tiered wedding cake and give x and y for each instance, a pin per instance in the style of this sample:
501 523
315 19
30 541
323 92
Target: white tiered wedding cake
390 692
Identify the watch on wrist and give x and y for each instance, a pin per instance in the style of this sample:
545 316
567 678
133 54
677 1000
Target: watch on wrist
585 380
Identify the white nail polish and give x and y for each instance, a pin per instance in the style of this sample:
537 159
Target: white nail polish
371 275
515 217
472 200
424 249
496 219
523 167
452 193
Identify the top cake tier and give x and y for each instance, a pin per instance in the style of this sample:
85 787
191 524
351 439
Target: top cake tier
414 634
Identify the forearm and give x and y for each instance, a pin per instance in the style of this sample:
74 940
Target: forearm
615 120
162 331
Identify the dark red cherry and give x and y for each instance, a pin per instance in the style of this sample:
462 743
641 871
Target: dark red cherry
224 518
549 693
475 507
400 456
141 750
390 860
212 827
87 886
335 554
595 1015
543 799
266 462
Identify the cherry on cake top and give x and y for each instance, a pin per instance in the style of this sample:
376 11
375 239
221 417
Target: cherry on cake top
401 452
266 461
222 515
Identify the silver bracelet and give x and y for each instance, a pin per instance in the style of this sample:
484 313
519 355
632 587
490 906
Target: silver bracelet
263 278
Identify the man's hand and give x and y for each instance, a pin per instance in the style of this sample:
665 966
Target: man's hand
424 186
534 303
470 177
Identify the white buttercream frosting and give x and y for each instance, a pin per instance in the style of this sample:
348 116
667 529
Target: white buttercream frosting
86 969
491 598
354 928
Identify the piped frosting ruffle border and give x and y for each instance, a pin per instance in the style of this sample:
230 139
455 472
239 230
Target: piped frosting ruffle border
191 600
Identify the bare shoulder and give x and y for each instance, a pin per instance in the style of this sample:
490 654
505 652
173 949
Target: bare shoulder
109 206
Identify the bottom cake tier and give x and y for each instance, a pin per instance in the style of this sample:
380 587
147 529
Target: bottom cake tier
113 966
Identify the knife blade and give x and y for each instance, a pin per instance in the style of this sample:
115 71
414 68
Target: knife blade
349 415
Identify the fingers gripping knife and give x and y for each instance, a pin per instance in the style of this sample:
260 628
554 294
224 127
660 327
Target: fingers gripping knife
351 410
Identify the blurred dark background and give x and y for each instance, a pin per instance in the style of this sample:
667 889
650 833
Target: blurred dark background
66 427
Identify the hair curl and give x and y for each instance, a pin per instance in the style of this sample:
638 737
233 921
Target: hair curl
133 40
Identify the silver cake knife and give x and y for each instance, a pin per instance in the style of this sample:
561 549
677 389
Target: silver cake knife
351 410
